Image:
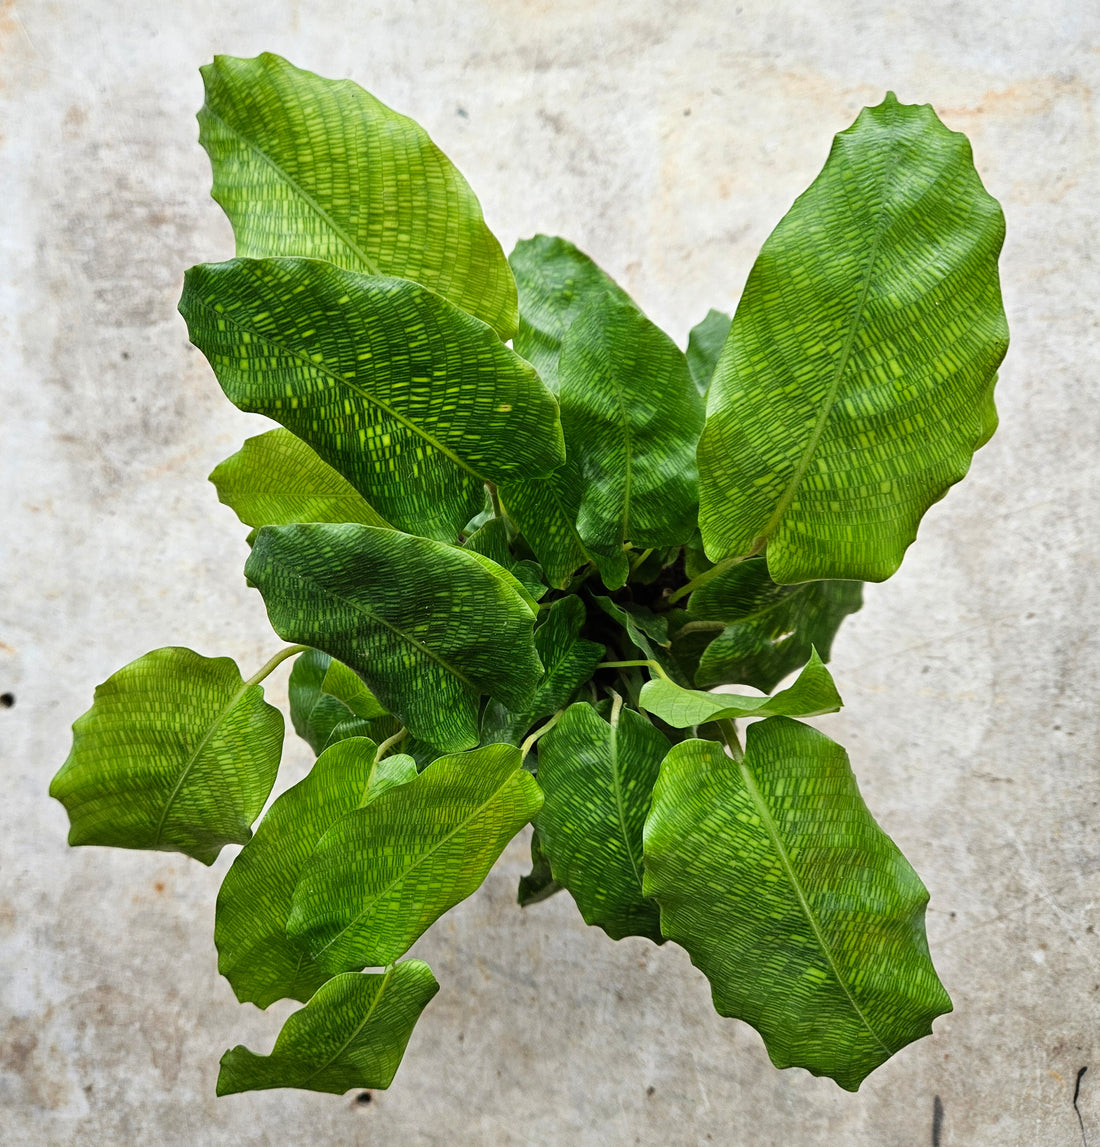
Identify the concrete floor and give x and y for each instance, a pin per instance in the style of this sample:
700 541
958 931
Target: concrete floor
666 139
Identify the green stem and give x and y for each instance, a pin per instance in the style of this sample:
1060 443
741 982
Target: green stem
654 665
729 734
491 487
703 578
640 558
389 743
274 663
525 748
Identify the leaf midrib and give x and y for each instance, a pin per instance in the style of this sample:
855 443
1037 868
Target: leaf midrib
290 181
620 808
881 226
366 1020
772 830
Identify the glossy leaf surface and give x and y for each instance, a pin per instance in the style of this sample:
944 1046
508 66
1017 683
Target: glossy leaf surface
412 400
768 630
177 753
384 873
428 627
275 479
812 694
597 778
320 168
802 913
854 386
254 953
351 1034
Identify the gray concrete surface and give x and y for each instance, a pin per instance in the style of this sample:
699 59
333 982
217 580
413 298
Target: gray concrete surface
666 139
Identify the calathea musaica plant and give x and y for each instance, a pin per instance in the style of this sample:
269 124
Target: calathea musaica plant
512 574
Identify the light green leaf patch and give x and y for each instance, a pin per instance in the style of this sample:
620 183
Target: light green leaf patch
856 381
384 873
177 753
704 347
428 627
812 694
320 168
802 913
351 1034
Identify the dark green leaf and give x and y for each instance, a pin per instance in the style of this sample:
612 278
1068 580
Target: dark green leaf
855 384
812 694
768 630
315 167
597 777
177 753
539 884
704 346
800 910
254 953
491 541
384 873
351 1034
412 400
428 627
275 479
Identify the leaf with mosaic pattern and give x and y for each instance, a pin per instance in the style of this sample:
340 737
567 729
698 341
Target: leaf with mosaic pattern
855 383
799 909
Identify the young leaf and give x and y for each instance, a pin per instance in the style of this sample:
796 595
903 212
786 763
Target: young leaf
275 479
320 168
812 694
568 662
556 282
854 386
427 626
769 630
704 346
351 1034
412 400
631 419
596 779
177 753
254 953
799 909
384 873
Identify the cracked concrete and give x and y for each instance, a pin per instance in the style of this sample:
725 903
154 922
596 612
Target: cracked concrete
665 139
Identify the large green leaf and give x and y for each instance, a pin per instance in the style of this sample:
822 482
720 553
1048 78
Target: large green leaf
631 417
704 346
812 694
764 630
556 282
412 400
384 873
320 168
800 910
568 662
428 627
177 753
597 777
275 479
352 1033
254 952
855 384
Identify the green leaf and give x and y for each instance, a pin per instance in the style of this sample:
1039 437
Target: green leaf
568 661
855 383
275 479
704 346
539 884
413 401
769 630
351 1034
812 694
491 541
319 718
647 631
383 874
631 419
596 779
254 952
320 168
799 909
427 626
556 282
177 753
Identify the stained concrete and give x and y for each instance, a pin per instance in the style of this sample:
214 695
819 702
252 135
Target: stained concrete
666 139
